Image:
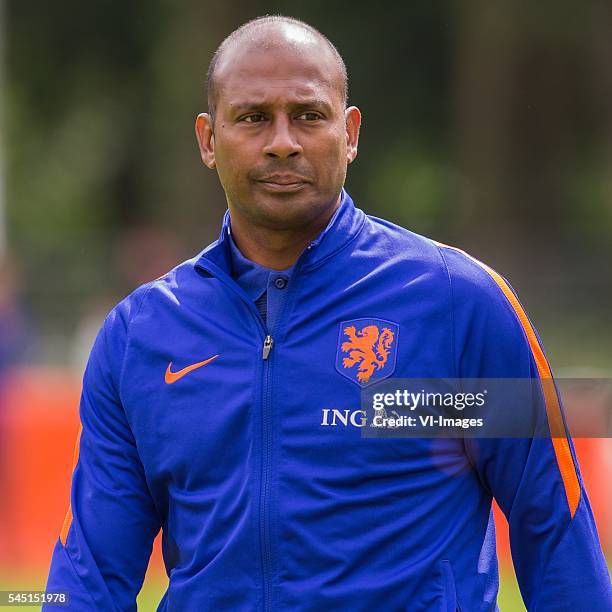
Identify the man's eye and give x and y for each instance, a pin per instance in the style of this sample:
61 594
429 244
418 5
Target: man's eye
254 118
310 116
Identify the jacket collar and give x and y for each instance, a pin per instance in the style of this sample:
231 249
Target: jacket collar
344 226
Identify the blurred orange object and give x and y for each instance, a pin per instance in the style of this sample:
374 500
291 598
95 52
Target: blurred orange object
40 421
39 424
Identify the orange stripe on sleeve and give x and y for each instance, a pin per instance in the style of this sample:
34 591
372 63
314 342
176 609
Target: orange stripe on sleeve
551 399
68 519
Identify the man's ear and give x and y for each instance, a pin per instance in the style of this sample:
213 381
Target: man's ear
206 139
353 123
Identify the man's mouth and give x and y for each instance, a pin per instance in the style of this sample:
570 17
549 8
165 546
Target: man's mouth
283 182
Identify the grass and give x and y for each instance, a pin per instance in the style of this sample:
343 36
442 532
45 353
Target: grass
509 599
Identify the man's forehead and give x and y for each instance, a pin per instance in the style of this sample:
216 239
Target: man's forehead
279 64
266 90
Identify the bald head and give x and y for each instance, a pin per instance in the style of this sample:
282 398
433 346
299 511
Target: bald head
267 33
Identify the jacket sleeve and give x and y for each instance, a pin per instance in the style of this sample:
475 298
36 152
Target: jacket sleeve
536 481
103 550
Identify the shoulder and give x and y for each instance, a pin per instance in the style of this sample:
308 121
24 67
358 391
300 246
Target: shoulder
398 239
474 281
493 333
409 254
164 289
469 278
479 295
114 336
479 290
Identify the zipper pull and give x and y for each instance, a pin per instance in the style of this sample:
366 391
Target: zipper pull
267 346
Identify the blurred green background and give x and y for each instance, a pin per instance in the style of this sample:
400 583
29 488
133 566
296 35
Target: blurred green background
486 125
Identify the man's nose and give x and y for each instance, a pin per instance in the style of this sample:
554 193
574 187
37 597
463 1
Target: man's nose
282 142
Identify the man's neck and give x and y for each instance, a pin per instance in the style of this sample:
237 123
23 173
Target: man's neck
273 248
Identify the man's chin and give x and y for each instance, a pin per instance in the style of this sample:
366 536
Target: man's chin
291 211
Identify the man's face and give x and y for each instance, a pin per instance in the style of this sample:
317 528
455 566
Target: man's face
281 139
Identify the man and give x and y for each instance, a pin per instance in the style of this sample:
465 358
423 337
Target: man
208 399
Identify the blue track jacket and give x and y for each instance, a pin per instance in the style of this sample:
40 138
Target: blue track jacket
200 420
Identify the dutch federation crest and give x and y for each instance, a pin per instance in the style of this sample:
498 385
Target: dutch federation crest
366 350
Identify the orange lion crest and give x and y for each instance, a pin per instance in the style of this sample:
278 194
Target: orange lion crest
368 349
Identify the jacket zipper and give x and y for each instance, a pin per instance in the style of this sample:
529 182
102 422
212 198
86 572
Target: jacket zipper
266 434
264 523
267 347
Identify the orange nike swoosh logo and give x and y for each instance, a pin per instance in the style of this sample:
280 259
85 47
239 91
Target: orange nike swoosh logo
172 377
